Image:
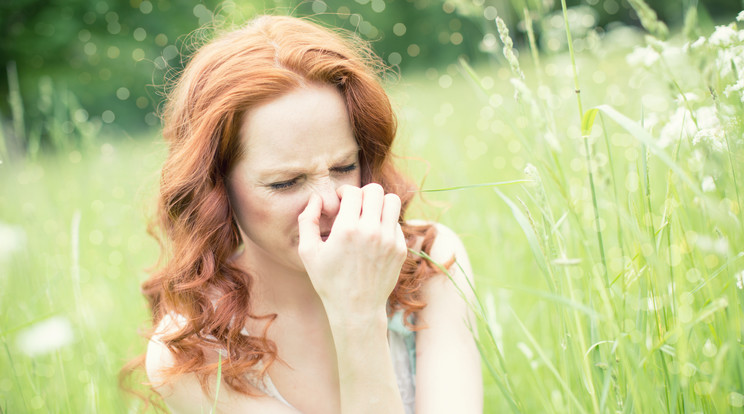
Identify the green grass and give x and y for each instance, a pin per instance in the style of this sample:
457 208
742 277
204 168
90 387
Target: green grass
651 321
106 188
613 277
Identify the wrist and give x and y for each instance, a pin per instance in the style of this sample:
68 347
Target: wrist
356 323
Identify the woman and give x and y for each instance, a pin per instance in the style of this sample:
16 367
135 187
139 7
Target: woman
286 274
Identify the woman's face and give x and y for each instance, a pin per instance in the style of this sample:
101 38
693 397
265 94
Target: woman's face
299 144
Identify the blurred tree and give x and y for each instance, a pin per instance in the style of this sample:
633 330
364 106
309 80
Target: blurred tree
112 57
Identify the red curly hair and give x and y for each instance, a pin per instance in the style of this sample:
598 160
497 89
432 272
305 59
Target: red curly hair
228 76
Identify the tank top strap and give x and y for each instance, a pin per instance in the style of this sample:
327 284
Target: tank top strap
396 324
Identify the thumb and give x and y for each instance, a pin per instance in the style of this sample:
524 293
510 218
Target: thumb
308 222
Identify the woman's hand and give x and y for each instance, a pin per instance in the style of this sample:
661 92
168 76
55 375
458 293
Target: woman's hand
357 266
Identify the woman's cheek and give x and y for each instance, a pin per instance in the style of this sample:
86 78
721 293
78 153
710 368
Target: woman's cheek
297 202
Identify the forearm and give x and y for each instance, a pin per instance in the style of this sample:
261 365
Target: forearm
366 376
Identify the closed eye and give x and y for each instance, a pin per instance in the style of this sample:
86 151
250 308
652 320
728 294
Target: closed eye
283 185
345 169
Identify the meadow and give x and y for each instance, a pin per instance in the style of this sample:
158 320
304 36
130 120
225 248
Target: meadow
597 189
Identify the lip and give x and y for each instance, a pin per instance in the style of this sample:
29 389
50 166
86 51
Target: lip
324 235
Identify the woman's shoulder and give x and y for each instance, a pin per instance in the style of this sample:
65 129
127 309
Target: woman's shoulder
183 393
454 284
159 358
446 244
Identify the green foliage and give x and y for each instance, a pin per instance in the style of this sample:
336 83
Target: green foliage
607 243
113 58
650 238
73 248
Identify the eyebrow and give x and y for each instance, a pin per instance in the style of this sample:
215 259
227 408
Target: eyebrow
292 170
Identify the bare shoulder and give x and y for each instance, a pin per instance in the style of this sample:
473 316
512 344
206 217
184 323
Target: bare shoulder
446 247
159 358
183 394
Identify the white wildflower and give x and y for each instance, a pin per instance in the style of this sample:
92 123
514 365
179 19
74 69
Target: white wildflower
532 174
687 97
708 184
724 36
698 43
740 280
713 137
656 44
714 245
728 59
679 126
45 336
671 53
736 87
644 56
740 16
707 117
12 239
650 120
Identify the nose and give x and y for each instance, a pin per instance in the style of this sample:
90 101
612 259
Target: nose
327 192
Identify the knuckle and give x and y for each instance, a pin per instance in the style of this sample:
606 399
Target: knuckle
389 249
374 187
343 233
369 234
390 245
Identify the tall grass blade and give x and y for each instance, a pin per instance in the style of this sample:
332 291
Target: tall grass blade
524 223
16 103
16 377
465 187
219 381
3 144
543 356
649 20
556 298
569 41
587 122
498 379
644 137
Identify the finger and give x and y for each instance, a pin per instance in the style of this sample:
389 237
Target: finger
400 239
309 221
390 212
351 205
372 201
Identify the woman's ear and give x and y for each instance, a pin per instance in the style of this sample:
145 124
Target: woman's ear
236 226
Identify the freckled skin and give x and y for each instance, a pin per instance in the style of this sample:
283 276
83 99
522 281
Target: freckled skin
297 145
